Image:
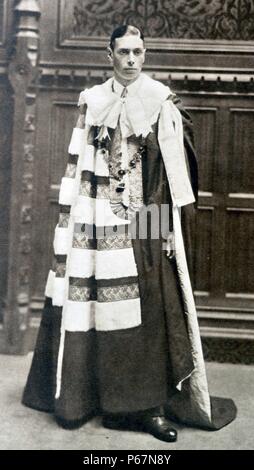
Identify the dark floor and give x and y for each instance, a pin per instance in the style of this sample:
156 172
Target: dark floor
23 428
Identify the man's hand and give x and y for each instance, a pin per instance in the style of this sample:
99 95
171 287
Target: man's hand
170 245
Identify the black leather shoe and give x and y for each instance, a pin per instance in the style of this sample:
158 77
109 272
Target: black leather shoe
157 426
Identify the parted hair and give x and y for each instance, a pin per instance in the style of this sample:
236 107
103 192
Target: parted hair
124 30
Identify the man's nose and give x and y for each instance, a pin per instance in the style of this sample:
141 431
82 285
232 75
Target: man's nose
131 59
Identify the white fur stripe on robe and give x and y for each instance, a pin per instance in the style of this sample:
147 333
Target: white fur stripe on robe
117 315
81 263
88 160
95 161
62 239
113 264
79 316
104 316
101 164
96 211
55 288
66 194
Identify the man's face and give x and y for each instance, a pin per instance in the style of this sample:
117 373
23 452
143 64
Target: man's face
128 57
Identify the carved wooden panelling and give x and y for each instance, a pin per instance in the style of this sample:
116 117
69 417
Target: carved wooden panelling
240 251
204 120
204 249
63 120
199 19
241 168
5 178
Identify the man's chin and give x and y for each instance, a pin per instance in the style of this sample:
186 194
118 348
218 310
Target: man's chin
131 73
126 79
130 76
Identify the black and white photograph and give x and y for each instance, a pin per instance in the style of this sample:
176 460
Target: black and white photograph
127 228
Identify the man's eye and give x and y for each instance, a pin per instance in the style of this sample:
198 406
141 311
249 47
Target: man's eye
123 52
138 52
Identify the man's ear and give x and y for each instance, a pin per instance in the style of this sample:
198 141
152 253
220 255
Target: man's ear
144 55
110 53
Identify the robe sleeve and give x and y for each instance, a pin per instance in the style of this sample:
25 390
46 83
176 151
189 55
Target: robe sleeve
68 193
189 212
189 145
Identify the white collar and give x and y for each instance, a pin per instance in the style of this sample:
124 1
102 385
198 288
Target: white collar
132 89
137 111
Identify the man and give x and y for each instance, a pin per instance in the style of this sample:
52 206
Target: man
119 333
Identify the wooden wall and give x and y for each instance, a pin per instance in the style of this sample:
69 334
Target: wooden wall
204 50
6 114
